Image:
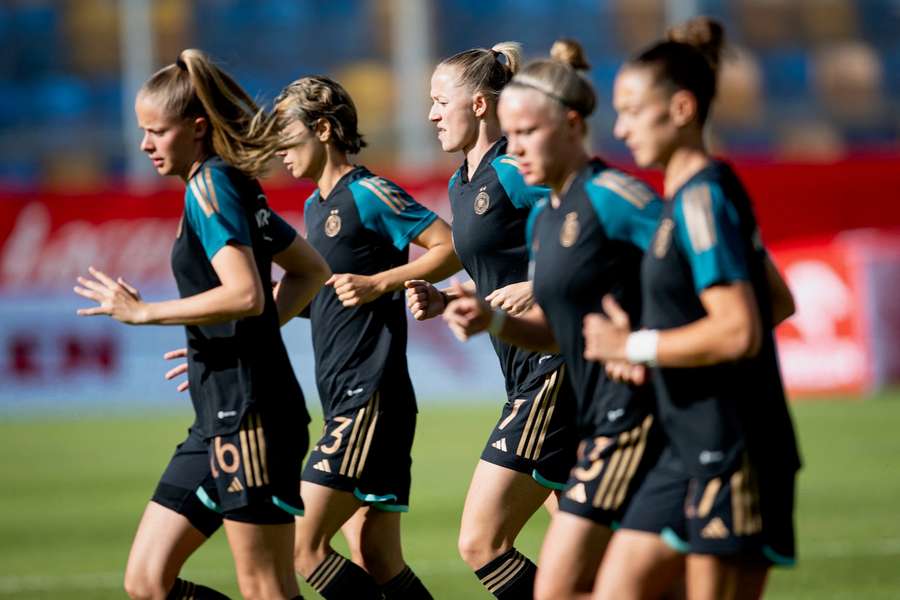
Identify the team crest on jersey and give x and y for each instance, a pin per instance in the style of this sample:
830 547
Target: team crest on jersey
333 224
568 234
663 238
482 201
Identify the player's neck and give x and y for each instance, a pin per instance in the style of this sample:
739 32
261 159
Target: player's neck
684 163
488 134
561 184
335 167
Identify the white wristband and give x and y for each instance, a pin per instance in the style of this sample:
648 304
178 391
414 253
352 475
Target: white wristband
640 347
498 318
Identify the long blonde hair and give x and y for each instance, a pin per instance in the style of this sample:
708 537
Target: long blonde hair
239 133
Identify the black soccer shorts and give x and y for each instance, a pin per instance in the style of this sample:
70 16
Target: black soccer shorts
536 432
609 471
367 451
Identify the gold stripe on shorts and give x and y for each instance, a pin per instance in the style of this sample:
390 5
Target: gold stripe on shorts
370 434
263 456
745 501
354 433
561 376
538 417
245 455
622 466
252 426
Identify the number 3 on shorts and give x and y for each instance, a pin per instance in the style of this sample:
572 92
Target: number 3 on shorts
338 434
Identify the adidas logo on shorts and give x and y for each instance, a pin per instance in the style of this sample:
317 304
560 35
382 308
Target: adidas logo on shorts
714 530
323 466
500 445
235 486
578 493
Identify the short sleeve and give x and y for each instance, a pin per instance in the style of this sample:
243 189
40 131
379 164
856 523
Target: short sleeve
628 209
388 210
708 229
529 225
214 211
522 195
279 232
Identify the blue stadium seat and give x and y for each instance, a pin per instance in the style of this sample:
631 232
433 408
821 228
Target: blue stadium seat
786 74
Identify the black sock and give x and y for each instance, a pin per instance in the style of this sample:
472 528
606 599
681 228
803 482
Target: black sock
406 586
186 589
337 578
509 576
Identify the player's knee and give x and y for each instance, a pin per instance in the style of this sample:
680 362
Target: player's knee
308 554
140 585
477 549
380 562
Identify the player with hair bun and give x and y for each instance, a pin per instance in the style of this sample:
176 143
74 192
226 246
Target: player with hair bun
240 462
528 454
586 240
711 298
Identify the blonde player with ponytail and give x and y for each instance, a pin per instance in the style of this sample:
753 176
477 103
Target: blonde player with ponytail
240 463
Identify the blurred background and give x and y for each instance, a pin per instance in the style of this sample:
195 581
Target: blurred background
808 109
808 112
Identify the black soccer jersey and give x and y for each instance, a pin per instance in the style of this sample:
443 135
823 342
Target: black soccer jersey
589 246
490 213
708 235
364 227
235 365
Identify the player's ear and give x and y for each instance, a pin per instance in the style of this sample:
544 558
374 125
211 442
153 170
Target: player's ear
201 125
682 107
479 104
323 130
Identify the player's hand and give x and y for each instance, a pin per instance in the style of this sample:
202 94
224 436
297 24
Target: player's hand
620 370
354 290
181 369
115 298
466 315
423 299
515 298
605 335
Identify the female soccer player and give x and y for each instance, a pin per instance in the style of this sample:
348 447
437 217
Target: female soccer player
586 241
532 446
711 298
358 474
240 461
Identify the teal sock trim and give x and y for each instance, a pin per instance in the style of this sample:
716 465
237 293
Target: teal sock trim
372 497
291 510
546 482
778 559
673 541
207 501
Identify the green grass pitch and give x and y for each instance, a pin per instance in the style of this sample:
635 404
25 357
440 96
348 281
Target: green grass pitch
71 492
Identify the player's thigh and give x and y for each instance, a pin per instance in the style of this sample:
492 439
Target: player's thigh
710 577
500 500
163 542
263 558
325 511
637 565
570 556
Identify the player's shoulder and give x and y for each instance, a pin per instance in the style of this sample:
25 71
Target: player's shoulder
369 190
609 182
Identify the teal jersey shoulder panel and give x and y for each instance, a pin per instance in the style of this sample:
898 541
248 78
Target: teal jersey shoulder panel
708 229
214 211
388 210
627 208
520 193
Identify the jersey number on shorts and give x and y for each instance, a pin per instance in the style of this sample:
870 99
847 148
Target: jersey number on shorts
338 434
